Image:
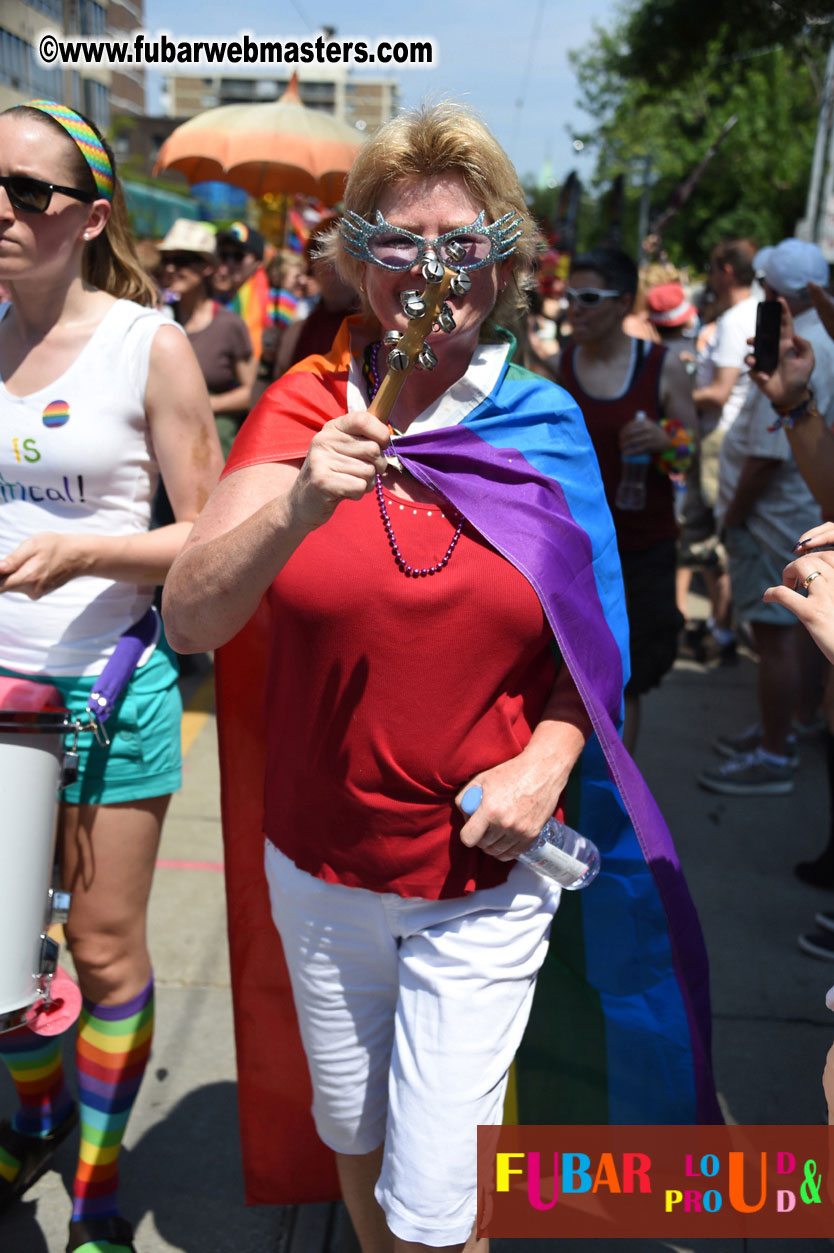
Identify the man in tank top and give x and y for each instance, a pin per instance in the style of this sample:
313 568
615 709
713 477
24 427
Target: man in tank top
613 377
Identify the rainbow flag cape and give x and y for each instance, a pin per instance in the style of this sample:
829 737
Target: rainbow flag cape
620 1027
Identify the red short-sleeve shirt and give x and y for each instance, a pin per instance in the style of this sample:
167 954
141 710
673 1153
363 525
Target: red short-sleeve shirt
386 694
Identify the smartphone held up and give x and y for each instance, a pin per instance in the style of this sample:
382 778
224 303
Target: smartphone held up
768 329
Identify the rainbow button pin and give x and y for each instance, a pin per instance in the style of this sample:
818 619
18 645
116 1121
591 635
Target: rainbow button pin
56 413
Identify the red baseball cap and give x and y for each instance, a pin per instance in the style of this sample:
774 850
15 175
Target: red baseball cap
668 305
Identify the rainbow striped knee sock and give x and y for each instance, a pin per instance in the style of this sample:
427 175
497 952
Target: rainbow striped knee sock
114 1043
34 1063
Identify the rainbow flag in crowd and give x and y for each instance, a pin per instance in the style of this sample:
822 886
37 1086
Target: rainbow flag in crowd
620 1027
282 306
251 302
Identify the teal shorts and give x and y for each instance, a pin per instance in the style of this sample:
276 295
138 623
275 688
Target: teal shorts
144 757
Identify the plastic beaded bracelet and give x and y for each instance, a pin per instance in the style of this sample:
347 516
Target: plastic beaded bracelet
788 418
677 458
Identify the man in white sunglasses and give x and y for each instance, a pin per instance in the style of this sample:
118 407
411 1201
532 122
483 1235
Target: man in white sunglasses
613 377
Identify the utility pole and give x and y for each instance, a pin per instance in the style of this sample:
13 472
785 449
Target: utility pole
818 223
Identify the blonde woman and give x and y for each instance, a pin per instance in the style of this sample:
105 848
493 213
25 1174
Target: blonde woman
104 396
412 641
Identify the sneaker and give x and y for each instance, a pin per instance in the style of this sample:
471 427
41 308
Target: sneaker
818 944
749 774
825 919
810 730
746 742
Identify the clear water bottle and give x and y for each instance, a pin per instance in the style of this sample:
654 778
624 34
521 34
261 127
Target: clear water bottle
631 493
560 853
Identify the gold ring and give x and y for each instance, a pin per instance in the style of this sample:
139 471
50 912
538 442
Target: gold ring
815 574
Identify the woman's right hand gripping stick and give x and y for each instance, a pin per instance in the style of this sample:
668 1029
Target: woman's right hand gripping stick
341 464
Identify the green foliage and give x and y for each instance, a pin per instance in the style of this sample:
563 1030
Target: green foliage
684 31
756 183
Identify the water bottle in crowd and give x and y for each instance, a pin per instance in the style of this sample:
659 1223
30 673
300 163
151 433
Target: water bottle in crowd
560 853
631 493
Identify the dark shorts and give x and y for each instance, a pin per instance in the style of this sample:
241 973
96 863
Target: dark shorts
654 620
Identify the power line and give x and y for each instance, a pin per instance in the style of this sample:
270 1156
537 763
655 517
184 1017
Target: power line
305 19
534 42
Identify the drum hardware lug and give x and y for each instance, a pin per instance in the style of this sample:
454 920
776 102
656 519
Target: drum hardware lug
59 905
48 964
69 770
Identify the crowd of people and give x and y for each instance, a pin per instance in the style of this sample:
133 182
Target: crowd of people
226 423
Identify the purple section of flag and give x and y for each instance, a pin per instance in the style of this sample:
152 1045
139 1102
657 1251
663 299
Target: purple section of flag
526 517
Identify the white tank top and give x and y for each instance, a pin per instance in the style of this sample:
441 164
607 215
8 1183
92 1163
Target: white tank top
76 457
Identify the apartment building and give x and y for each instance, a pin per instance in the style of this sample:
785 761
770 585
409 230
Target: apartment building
98 91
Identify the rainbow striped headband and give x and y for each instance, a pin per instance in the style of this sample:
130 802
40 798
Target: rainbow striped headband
85 137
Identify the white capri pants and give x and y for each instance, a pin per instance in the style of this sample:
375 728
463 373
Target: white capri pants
411 1012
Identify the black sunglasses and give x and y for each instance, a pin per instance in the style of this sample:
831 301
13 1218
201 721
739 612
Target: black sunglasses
183 260
32 195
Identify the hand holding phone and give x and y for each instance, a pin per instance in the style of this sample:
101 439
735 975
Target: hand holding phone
768 330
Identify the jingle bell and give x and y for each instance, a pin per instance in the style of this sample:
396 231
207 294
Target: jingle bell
397 359
460 284
445 321
433 270
411 294
392 338
427 358
455 251
414 308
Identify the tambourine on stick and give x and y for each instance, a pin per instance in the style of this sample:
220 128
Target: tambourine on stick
426 312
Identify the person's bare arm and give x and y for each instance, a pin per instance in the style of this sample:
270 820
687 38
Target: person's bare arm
676 392
716 394
810 437
756 474
240 397
254 522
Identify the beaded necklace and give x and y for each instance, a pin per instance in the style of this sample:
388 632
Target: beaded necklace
370 369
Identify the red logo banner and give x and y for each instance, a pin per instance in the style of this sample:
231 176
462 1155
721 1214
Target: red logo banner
583 1182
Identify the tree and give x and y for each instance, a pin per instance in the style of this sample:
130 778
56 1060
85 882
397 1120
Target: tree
756 184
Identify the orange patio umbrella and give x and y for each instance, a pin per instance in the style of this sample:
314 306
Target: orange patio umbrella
280 146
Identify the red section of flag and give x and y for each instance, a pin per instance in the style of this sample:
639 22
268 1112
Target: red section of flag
284 1161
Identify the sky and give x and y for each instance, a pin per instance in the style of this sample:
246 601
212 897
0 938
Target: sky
505 58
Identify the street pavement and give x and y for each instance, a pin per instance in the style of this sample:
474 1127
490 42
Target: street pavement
181 1179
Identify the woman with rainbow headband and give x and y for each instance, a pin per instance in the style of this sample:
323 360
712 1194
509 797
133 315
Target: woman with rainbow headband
103 395
448 615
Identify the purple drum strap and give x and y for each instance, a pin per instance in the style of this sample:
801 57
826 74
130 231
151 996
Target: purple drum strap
120 666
